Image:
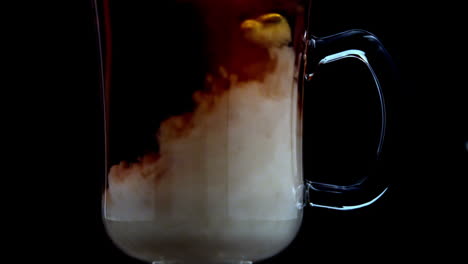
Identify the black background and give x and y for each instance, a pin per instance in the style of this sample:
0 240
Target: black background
420 218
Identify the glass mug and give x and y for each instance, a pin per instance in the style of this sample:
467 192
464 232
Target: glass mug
203 104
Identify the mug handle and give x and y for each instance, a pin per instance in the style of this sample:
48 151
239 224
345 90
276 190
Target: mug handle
365 47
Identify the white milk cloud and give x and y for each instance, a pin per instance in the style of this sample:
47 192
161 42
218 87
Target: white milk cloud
234 156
